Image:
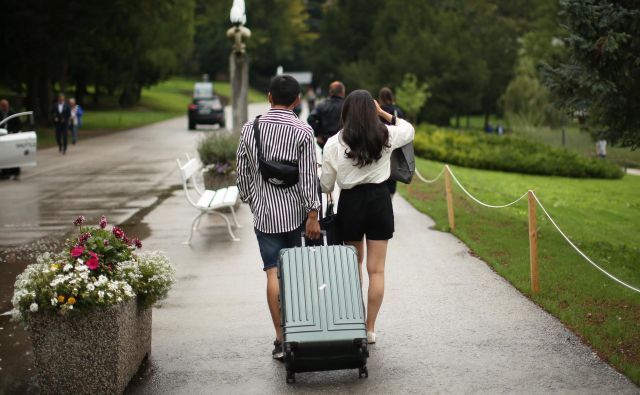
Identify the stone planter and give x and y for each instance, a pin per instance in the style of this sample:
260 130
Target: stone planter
93 353
213 180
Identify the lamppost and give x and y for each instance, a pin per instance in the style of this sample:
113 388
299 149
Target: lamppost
239 65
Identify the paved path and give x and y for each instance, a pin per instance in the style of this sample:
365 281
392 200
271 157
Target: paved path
448 323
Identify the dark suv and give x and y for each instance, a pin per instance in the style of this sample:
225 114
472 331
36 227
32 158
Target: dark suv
206 111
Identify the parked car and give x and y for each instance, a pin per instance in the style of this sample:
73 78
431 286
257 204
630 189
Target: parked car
206 111
17 149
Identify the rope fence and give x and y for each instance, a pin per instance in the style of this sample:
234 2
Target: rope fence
533 202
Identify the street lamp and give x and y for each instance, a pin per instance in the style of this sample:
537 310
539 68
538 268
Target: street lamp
239 65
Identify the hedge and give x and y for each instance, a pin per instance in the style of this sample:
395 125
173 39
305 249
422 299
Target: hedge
508 153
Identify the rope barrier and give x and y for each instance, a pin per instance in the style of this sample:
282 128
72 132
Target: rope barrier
611 276
447 168
427 181
478 201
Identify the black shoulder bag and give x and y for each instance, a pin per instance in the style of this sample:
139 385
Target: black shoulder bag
283 174
403 161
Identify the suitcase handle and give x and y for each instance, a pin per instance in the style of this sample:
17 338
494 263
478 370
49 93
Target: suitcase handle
324 237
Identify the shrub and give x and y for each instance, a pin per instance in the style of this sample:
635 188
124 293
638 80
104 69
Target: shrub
508 153
218 152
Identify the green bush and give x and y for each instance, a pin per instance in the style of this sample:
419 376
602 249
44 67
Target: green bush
508 153
219 151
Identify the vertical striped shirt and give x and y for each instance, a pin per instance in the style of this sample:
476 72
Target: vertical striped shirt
283 137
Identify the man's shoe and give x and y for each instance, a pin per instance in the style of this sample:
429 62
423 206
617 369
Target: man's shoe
277 352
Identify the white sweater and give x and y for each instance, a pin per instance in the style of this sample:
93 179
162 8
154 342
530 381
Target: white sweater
337 167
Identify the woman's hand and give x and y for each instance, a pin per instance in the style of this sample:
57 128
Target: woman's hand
382 113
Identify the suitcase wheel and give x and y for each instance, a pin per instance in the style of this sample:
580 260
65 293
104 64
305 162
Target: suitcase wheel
363 372
291 377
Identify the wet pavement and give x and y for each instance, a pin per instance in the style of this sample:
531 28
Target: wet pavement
123 176
448 324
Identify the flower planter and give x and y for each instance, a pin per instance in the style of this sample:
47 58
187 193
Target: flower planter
213 180
90 353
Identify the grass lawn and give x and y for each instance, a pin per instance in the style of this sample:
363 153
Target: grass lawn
163 101
600 216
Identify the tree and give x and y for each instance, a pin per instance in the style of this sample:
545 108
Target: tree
412 96
279 32
602 74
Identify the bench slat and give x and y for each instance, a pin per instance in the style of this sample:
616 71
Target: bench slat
206 198
218 199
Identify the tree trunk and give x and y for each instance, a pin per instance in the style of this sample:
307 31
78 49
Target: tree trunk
81 90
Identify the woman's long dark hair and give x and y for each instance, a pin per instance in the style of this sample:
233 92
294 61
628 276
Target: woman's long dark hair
363 132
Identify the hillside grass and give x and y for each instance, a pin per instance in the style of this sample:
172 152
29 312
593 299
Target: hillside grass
600 216
166 100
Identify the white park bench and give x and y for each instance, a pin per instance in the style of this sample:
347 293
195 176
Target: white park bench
208 202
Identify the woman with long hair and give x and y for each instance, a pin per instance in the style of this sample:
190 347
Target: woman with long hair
357 158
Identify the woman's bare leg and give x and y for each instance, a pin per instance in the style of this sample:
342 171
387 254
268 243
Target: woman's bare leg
359 245
376 256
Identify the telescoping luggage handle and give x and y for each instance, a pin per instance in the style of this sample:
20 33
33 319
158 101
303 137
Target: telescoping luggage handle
324 237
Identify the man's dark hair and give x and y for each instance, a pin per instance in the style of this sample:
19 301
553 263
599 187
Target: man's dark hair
284 90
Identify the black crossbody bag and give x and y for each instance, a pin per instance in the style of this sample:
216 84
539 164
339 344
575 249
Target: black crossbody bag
282 174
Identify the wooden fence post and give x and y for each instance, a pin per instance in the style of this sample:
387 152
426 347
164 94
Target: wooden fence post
533 244
447 183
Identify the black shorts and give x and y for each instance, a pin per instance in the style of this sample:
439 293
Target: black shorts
365 210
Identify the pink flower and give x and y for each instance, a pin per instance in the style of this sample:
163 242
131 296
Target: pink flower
103 222
79 221
137 243
77 251
126 240
93 263
84 237
118 233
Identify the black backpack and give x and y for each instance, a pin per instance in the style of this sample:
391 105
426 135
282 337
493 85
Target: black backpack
282 174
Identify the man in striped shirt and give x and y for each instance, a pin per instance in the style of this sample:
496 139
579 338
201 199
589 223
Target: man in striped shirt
280 214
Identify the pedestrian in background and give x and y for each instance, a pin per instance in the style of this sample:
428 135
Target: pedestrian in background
358 159
325 118
12 126
279 214
311 99
75 122
601 148
387 103
60 114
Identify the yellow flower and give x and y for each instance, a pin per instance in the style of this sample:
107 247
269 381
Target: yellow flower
61 299
54 267
71 300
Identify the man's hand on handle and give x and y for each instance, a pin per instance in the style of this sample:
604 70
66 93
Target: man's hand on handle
312 229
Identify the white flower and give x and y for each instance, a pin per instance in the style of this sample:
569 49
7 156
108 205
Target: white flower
33 307
70 307
119 299
90 287
67 267
54 301
101 294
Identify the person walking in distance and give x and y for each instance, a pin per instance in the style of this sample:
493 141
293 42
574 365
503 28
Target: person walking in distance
387 103
325 117
75 121
61 113
357 158
280 214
